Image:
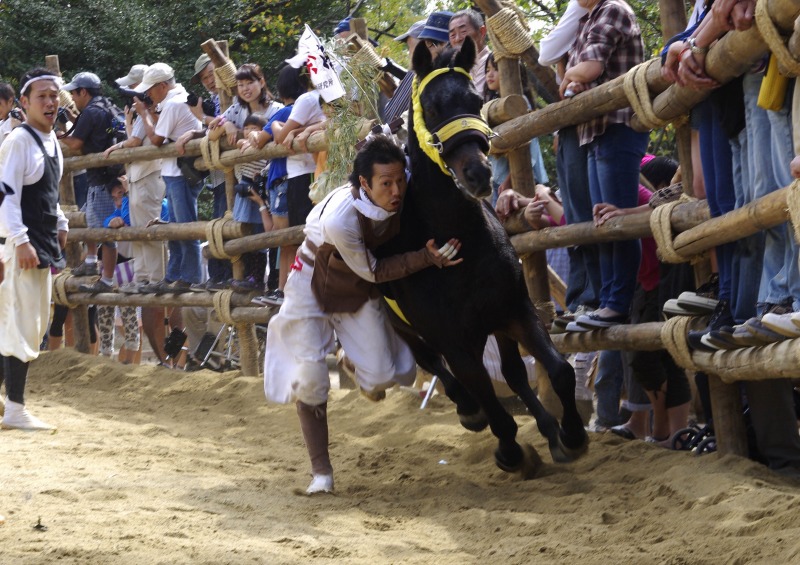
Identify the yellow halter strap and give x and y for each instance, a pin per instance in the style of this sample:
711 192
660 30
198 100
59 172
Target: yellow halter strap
432 143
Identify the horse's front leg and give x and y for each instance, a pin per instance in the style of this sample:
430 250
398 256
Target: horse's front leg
467 366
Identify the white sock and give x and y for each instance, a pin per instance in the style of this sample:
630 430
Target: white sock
91 259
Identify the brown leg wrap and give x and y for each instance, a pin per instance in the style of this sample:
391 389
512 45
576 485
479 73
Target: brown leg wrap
314 424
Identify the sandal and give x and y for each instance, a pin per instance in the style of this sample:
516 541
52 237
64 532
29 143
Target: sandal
623 431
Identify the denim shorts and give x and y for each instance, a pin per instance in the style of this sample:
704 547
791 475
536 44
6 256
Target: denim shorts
277 198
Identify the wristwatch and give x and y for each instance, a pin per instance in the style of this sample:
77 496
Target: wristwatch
692 43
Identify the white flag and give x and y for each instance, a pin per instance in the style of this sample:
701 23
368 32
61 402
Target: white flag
311 53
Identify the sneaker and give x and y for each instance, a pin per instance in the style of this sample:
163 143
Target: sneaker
574 327
160 287
672 308
131 287
200 287
720 339
250 284
179 287
595 321
86 270
757 328
781 323
97 287
704 299
721 317
259 301
274 298
744 338
218 286
561 322
320 484
17 417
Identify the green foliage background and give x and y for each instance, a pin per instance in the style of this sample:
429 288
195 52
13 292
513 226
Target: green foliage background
108 36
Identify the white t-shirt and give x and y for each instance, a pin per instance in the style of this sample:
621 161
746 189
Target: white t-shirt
558 42
176 119
5 129
306 110
22 164
137 170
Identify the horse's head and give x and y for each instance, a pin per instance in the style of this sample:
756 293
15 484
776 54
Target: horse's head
447 117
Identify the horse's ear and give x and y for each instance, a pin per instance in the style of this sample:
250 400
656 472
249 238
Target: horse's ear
466 55
422 61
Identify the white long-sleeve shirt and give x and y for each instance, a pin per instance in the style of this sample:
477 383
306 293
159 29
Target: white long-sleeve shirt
22 164
558 42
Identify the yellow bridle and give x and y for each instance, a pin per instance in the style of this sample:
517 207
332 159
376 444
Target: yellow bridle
432 143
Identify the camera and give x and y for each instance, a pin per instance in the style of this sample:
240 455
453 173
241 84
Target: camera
16 113
130 94
257 183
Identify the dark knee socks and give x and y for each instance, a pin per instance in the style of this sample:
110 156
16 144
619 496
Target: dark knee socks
314 424
15 373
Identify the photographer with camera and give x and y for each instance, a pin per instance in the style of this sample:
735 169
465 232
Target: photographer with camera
94 132
10 117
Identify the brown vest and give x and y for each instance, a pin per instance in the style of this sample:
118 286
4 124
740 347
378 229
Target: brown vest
336 287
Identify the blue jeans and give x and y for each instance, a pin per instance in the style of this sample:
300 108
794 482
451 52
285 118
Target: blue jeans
219 269
614 162
770 153
583 282
748 253
715 152
184 256
608 387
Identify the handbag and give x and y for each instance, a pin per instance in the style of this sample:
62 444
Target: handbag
191 173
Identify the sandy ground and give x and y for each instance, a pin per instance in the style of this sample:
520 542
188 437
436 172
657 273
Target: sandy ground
156 466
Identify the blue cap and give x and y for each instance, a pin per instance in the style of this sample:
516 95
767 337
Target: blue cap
343 25
436 27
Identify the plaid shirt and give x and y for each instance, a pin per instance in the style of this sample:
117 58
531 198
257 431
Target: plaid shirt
608 34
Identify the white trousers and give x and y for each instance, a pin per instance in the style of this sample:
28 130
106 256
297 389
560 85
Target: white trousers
24 308
144 198
301 335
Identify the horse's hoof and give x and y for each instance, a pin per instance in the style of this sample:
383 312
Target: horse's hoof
476 422
528 465
563 454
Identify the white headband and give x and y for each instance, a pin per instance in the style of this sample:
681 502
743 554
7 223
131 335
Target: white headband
54 78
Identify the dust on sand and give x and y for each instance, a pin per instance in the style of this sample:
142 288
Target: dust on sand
156 466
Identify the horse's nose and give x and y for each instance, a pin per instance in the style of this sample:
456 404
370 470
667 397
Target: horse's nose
478 175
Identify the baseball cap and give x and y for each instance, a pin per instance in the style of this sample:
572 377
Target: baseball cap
201 63
413 31
134 75
436 27
83 80
343 25
155 73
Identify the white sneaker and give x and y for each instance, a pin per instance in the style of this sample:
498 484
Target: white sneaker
17 417
320 483
781 323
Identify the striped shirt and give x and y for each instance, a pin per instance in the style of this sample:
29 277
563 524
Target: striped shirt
608 34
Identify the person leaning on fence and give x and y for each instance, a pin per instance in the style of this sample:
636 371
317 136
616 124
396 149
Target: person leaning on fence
175 119
94 132
331 289
609 44
33 232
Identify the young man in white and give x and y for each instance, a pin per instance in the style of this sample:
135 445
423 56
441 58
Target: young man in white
341 232
33 231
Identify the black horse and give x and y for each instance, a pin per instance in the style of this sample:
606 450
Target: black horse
452 311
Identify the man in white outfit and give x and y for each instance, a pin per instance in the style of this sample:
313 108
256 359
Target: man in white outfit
331 287
33 231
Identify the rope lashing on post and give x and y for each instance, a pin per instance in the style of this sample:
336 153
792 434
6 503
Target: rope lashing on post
661 226
638 94
793 203
214 237
60 295
225 77
367 56
673 336
222 306
787 64
508 33
547 308
210 151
